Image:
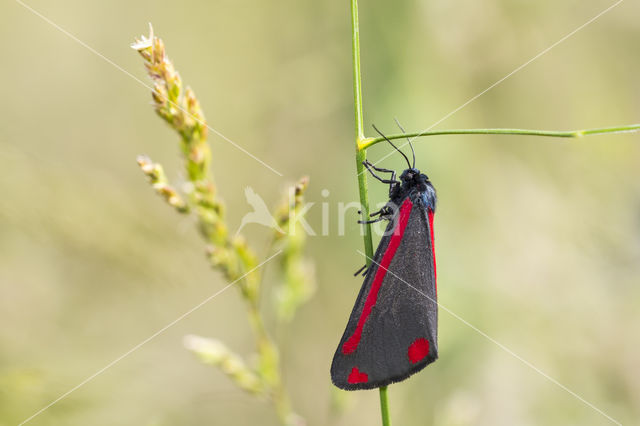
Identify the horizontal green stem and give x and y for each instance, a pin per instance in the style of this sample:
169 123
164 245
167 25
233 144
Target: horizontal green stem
368 142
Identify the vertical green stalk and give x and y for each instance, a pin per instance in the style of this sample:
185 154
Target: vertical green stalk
357 83
384 407
361 155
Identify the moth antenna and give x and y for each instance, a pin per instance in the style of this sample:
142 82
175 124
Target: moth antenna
408 140
391 143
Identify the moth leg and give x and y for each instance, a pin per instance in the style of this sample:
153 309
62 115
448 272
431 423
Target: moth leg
371 169
384 211
378 219
393 182
363 270
381 211
369 164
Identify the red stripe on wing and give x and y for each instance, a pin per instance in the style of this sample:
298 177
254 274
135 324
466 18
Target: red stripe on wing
351 344
433 252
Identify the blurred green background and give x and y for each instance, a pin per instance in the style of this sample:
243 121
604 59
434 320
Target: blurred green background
538 240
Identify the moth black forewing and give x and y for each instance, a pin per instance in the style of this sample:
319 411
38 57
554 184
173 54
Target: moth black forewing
392 332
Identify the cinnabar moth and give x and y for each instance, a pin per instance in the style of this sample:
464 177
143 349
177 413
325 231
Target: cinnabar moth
392 332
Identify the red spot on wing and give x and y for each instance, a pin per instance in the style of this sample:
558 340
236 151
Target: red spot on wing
357 376
418 350
351 344
433 251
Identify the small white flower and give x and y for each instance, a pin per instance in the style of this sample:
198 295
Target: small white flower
144 42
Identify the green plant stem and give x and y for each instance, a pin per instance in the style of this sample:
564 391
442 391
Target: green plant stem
270 364
369 142
357 80
361 156
384 407
364 204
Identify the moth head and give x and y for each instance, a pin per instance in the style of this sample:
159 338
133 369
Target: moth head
411 174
